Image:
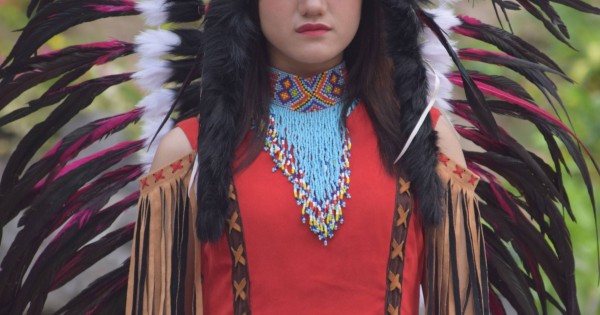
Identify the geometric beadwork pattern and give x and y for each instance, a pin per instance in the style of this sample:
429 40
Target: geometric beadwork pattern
310 149
308 94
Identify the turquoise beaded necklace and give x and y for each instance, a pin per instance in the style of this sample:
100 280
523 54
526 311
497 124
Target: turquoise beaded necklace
309 146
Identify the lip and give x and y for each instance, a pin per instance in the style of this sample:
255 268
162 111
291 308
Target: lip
313 29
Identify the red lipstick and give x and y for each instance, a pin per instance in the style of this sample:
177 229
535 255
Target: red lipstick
313 29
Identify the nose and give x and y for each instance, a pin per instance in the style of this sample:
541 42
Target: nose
312 7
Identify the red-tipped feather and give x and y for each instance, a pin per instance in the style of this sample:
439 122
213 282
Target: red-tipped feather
47 209
57 17
39 174
95 294
39 69
85 223
92 253
503 40
77 98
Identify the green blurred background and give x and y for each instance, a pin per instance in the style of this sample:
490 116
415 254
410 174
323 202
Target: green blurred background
582 100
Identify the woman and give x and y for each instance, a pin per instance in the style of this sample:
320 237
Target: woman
253 198
312 105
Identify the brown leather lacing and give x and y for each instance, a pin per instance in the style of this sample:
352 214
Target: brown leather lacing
239 274
240 278
395 268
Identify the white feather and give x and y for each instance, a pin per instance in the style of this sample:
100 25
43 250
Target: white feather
439 3
154 43
153 73
157 103
438 63
154 11
437 56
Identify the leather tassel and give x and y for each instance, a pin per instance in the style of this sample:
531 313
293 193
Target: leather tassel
165 264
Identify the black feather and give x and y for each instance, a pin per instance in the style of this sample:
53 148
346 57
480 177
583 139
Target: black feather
474 95
44 212
229 33
59 16
402 29
506 42
109 285
77 98
579 5
70 62
82 227
185 11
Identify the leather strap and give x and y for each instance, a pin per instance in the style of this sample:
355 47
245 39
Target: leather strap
402 215
239 274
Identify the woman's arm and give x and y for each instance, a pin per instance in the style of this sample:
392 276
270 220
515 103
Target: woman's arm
172 146
448 141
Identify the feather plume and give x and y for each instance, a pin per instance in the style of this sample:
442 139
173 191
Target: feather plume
474 95
154 11
58 16
71 62
435 54
77 98
153 73
92 299
503 40
85 223
50 166
37 224
90 254
154 43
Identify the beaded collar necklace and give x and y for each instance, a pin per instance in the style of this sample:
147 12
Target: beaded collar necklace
309 147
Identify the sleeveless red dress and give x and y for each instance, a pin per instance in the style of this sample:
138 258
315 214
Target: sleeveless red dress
290 270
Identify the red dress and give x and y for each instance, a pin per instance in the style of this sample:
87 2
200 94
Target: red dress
290 270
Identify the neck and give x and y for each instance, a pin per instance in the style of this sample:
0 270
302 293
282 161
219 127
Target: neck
307 70
302 69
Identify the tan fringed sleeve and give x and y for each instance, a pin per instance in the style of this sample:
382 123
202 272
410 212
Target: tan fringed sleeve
456 275
164 274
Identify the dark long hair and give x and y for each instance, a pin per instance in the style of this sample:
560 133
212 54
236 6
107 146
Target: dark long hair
236 94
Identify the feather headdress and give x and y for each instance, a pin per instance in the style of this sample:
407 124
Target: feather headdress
201 71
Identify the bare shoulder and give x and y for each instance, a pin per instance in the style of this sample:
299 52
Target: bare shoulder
448 141
172 146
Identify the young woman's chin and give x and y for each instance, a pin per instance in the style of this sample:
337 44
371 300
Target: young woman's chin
308 34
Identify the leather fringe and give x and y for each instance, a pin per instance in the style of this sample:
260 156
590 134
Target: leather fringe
165 261
456 264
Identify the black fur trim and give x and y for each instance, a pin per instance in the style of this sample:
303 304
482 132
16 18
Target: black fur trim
229 32
185 11
402 29
191 42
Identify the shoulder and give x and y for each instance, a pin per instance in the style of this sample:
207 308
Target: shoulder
448 141
172 146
